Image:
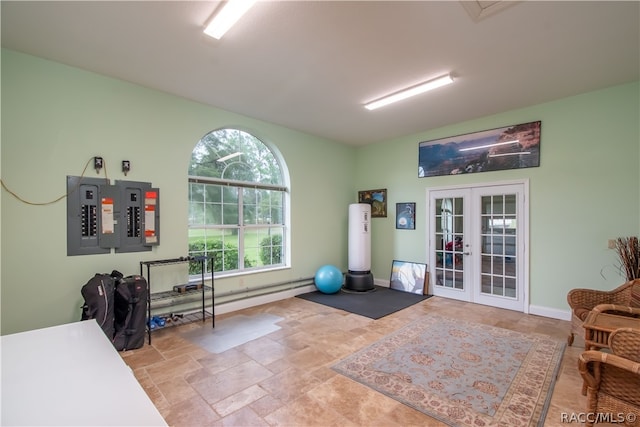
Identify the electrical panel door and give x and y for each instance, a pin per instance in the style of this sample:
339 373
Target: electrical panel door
132 213
84 221
109 232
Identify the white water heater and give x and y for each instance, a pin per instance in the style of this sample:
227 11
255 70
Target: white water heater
359 277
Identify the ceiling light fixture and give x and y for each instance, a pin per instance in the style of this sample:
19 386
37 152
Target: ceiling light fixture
409 92
229 156
229 15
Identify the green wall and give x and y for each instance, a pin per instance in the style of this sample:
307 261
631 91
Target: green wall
55 118
585 191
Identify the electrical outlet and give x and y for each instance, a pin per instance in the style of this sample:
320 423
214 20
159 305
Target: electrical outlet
98 163
126 166
611 244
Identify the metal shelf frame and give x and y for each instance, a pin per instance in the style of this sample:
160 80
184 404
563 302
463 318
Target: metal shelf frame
170 298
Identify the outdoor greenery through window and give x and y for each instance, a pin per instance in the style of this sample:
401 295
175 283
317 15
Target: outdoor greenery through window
237 202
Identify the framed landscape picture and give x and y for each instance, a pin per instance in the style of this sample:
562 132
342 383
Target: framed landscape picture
510 147
377 199
409 277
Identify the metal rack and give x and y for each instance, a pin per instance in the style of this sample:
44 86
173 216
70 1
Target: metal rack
170 298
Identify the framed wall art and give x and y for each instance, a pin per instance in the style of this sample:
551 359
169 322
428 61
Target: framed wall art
406 216
409 277
377 199
510 147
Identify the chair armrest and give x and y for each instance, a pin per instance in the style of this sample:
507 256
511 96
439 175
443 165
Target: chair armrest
597 357
602 308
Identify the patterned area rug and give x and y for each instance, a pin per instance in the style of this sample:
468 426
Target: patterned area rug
463 374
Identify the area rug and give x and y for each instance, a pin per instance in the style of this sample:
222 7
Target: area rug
462 373
374 304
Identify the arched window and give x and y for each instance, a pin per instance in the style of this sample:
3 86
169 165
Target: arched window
237 203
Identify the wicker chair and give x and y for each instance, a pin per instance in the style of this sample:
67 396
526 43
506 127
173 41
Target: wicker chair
612 380
582 301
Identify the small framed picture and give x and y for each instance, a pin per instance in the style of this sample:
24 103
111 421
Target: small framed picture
377 199
406 216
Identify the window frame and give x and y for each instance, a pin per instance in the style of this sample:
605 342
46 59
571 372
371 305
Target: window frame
242 227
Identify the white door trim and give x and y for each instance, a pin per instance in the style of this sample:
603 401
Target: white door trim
524 217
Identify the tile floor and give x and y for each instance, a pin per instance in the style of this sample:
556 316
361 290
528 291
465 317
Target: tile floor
284 378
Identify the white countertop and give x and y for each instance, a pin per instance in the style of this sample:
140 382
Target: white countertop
70 375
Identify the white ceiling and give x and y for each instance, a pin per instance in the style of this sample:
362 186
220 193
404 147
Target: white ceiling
311 65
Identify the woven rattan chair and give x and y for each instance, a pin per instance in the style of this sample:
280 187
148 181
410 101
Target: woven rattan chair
582 301
612 380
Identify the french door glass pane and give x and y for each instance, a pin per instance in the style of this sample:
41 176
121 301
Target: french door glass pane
498 245
449 238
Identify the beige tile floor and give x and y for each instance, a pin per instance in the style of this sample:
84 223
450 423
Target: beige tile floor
285 378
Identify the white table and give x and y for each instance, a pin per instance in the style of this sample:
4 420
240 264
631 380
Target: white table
70 375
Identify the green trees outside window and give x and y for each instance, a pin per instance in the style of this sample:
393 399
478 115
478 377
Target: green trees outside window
237 201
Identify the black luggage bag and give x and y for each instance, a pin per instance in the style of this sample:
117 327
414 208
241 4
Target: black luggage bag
130 313
98 295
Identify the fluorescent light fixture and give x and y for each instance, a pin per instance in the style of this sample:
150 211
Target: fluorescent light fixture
229 15
229 156
412 91
515 141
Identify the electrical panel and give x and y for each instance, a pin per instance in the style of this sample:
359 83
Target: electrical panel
84 221
101 216
139 216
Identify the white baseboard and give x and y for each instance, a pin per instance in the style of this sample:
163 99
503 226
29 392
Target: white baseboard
553 313
381 282
262 299
232 306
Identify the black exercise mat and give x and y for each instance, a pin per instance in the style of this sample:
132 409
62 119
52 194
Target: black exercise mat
374 304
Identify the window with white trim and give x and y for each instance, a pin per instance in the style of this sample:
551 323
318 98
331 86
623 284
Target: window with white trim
237 204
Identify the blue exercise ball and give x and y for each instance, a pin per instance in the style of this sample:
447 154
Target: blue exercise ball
328 279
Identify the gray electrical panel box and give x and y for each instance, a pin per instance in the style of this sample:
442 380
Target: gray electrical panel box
84 220
139 218
100 216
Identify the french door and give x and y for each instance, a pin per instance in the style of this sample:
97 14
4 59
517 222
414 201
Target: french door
477 244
